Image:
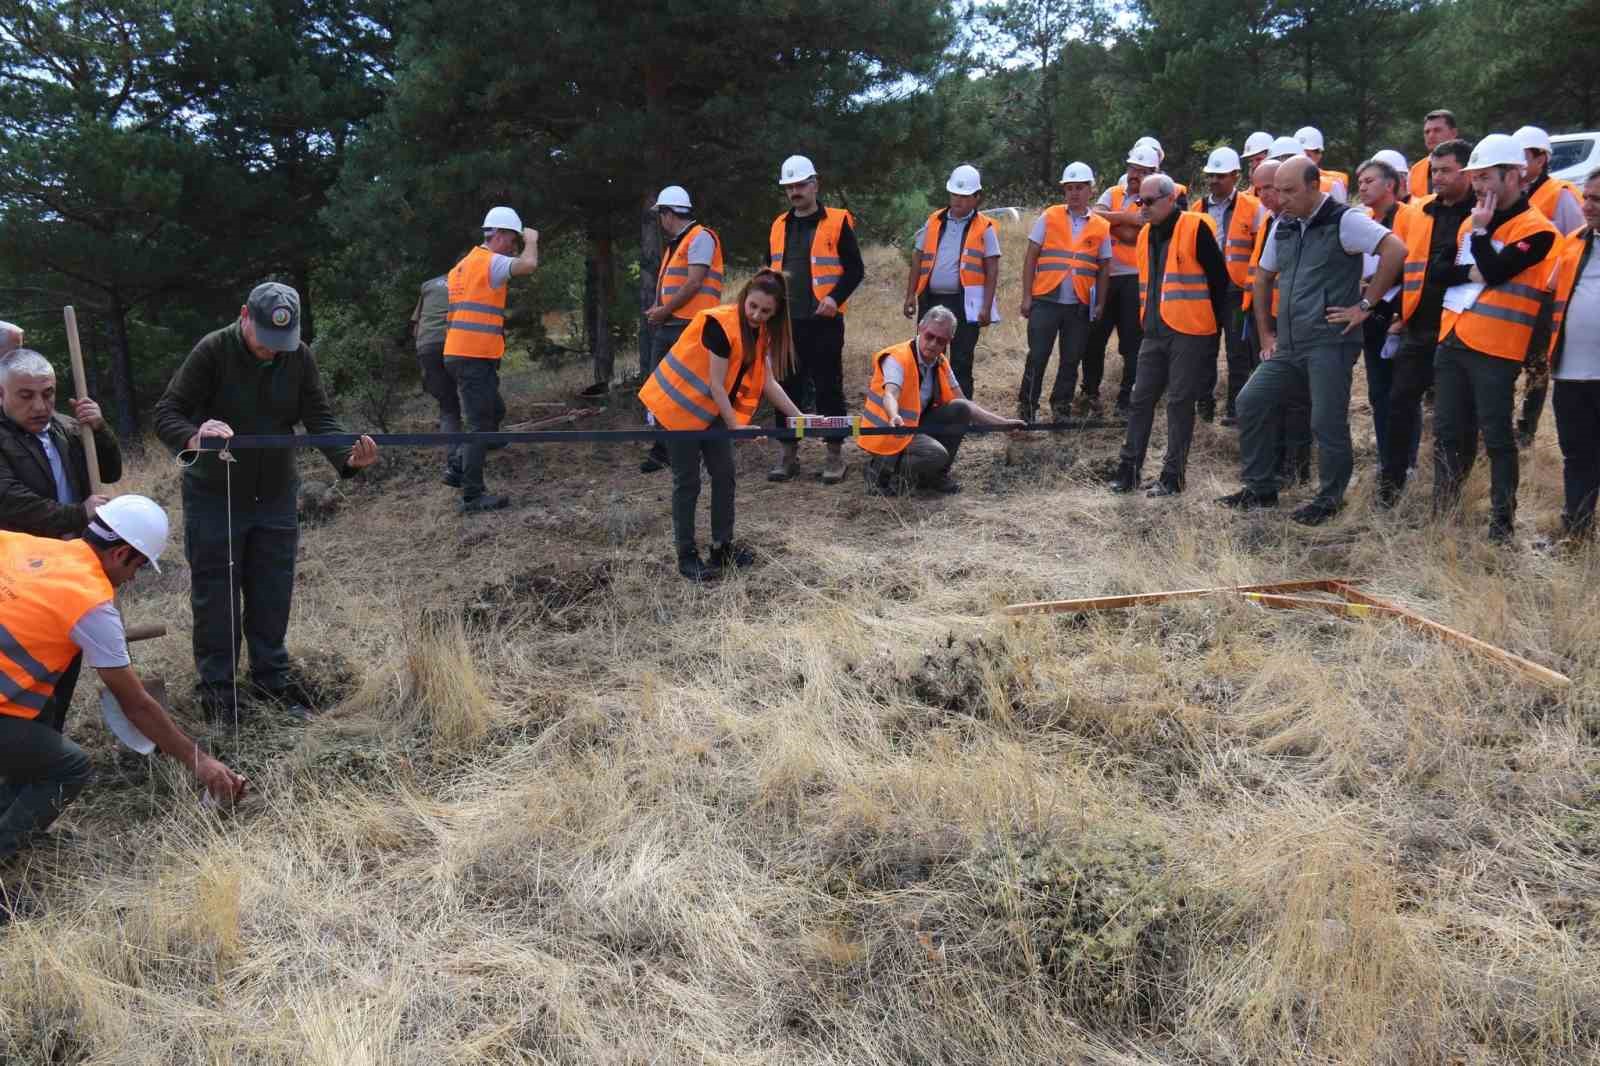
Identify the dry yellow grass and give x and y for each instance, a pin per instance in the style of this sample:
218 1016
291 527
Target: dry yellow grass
834 810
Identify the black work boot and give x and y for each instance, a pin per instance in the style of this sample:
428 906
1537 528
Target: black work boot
1126 479
692 567
730 556
1246 500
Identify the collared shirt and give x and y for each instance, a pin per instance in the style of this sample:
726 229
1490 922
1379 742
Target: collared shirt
1358 234
892 375
58 469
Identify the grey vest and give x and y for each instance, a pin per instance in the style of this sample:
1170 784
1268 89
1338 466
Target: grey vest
1314 274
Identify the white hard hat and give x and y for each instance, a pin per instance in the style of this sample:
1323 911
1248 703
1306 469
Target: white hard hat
1394 159
1151 142
1496 150
1532 137
139 521
1257 142
1143 155
795 169
1309 137
1284 147
502 218
1223 160
1077 172
964 180
674 196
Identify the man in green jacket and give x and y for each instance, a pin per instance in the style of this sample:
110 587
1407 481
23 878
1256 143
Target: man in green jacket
251 377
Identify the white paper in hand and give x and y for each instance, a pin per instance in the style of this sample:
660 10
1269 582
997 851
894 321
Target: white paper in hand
120 727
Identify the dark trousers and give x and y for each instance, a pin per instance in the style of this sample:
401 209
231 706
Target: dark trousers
1240 354
685 457
265 538
818 377
1474 392
1318 377
929 456
965 342
1380 383
1410 377
55 711
1176 364
1577 407
477 384
43 772
1122 314
1051 324
438 384
651 352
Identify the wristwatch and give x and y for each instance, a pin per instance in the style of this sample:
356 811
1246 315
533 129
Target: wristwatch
1365 304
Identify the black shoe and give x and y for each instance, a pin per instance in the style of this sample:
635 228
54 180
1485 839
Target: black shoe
945 484
217 705
452 478
1315 513
1228 421
726 556
288 704
651 464
1124 405
487 502
1164 488
692 567
1387 497
1125 480
599 388
1246 500
1206 412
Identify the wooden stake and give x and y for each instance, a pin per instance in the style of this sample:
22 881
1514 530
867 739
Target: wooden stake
144 631
80 383
1113 603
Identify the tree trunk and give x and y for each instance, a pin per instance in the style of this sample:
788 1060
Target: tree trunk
126 413
599 277
302 285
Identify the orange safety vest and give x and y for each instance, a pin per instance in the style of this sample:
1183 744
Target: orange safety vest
1569 253
1549 194
678 393
1414 226
1062 254
1500 321
827 270
1185 298
477 320
1255 265
1421 177
1241 240
46 586
876 410
1328 178
675 271
972 255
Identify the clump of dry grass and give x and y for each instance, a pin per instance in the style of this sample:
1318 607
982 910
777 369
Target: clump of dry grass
834 809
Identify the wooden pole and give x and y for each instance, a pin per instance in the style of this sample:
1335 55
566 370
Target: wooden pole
144 631
1113 603
75 349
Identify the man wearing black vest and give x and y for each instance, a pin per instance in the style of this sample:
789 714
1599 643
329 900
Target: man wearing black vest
1314 253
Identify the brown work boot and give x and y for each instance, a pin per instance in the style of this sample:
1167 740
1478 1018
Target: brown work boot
833 465
788 465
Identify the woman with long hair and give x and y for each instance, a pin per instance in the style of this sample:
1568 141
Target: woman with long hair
714 377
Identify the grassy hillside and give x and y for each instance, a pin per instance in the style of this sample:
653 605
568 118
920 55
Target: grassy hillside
571 809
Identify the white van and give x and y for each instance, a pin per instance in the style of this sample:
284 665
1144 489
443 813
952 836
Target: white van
1574 156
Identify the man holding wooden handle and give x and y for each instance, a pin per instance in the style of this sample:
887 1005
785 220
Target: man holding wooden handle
45 483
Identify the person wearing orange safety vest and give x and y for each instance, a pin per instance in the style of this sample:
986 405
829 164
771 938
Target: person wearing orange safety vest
475 341
815 247
1558 201
728 359
913 385
1428 226
1238 216
1378 189
1065 277
1487 329
1575 366
955 263
1119 205
689 281
1437 127
1183 296
1336 183
56 603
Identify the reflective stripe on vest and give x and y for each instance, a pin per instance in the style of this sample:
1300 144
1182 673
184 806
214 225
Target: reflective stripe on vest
678 392
675 271
477 328
1569 253
1414 226
1185 297
1063 255
875 412
1501 320
46 587
827 269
